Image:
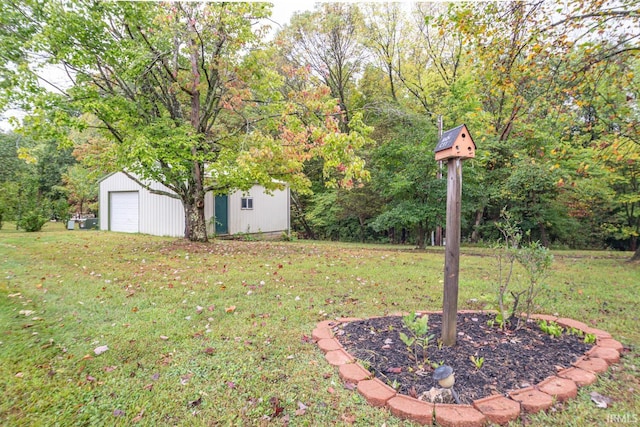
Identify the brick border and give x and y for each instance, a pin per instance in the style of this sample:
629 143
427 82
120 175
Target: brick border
496 408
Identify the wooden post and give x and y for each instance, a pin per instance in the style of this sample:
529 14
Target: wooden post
438 236
452 252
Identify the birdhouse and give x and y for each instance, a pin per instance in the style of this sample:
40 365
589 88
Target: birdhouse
456 142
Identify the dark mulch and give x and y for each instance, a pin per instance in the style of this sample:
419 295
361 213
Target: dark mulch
513 359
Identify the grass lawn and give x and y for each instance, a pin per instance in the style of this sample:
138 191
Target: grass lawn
219 333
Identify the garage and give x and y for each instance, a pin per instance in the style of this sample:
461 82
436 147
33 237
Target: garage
123 215
131 205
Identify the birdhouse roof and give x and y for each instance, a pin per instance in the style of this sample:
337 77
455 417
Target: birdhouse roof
449 138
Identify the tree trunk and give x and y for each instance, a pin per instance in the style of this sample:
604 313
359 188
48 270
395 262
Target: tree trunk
475 234
420 236
195 223
362 233
636 255
543 234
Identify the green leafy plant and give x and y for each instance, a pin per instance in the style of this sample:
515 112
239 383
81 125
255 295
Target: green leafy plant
505 252
477 361
536 260
575 331
498 320
550 328
435 365
590 338
532 256
418 342
32 221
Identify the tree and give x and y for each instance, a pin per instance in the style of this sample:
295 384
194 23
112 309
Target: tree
12 169
186 93
405 173
326 40
383 33
81 189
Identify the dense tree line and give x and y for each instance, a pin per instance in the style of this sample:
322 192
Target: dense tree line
549 92
193 96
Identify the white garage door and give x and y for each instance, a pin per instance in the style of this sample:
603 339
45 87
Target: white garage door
124 211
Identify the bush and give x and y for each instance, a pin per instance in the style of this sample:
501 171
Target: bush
32 221
533 257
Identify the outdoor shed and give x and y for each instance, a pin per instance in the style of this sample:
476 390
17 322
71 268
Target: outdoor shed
126 206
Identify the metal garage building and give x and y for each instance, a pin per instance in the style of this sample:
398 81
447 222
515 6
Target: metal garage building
126 206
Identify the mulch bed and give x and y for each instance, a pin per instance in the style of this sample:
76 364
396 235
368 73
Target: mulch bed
513 359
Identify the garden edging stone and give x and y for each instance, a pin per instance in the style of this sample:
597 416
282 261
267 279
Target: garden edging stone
497 408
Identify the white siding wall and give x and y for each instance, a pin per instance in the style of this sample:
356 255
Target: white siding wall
270 212
159 215
164 216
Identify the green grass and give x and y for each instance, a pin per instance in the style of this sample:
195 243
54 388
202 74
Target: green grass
180 355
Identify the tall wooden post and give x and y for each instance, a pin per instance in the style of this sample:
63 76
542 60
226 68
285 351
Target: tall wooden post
438 236
454 145
452 252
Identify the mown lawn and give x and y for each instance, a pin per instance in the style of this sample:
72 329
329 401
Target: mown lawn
219 333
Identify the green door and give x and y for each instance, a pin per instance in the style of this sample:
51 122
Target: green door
221 213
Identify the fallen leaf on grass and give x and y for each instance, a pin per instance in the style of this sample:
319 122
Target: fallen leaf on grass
331 390
164 337
302 409
118 413
349 386
230 309
196 402
185 379
138 417
275 406
348 419
600 400
209 350
148 387
99 350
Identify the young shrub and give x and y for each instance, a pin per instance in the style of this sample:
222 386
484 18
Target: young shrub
505 251
419 339
533 257
32 221
536 260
